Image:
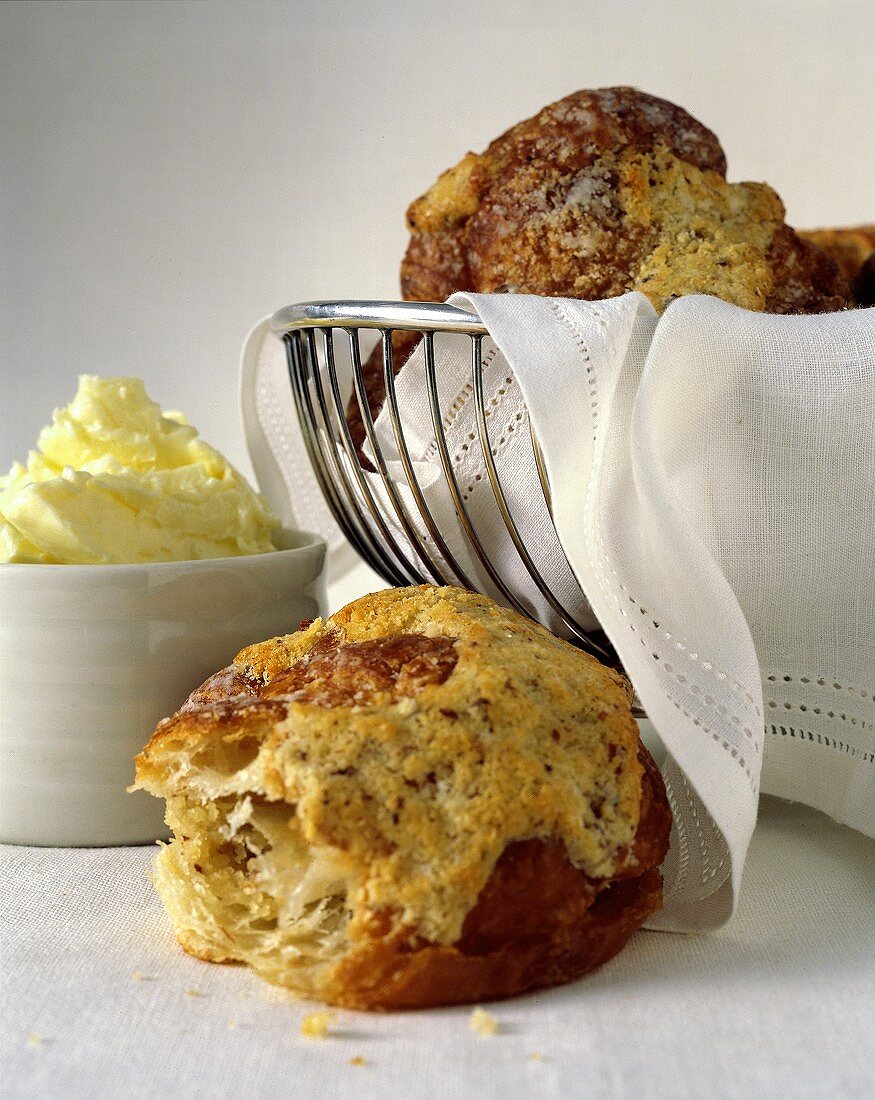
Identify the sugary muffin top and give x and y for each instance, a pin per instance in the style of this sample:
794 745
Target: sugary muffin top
416 734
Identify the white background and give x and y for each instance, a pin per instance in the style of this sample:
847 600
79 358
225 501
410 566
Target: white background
171 172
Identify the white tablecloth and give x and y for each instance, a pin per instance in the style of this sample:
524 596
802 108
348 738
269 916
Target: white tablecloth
100 1002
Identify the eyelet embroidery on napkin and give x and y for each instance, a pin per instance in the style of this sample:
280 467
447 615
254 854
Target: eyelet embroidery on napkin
823 697
722 742
708 873
700 836
459 401
507 431
818 681
593 394
706 665
599 569
681 831
692 808
773 704
463 450
598 313
491 407
577 336
820 739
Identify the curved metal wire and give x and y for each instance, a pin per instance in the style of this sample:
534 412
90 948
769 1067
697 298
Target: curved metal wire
299 375
410 473
371 524
579 632
367 498
402 516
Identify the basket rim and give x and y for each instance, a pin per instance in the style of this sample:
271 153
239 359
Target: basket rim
376 314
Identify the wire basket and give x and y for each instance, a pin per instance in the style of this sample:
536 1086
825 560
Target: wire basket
386 521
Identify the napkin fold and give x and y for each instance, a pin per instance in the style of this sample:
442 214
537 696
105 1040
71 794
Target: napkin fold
712 494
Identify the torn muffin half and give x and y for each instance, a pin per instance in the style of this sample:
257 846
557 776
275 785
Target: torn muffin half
425 799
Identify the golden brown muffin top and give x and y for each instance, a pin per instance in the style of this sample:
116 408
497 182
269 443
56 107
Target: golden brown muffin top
417 733
605 192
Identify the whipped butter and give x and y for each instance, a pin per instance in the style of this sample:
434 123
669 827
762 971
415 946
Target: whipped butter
114 479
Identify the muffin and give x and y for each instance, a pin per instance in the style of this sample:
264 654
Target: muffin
605 192
853 249
601 193
425 799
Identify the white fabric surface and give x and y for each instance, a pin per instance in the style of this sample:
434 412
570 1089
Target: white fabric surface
276 446
713 489
780 1003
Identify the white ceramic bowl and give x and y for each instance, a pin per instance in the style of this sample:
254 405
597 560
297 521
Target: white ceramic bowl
92 656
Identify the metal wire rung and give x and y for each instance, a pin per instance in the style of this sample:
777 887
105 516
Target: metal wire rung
388 522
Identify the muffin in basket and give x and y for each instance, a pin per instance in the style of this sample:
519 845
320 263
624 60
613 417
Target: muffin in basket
605 191
853 249
422 800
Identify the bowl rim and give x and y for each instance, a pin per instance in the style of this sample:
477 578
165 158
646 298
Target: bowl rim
304 541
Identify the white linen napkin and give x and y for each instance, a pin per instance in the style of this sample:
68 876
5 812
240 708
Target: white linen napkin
712 475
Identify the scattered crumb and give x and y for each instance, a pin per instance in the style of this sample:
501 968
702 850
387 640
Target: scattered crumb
34 1040
316 1025
535 1057
232 1023
358 1061
193 993
482 1022
138 976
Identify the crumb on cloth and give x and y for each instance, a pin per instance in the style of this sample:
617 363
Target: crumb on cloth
483 1022
316 1025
